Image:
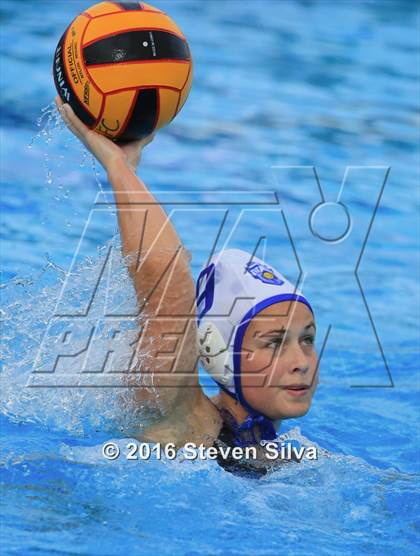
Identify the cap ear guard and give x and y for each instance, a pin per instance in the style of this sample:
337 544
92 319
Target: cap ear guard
214 354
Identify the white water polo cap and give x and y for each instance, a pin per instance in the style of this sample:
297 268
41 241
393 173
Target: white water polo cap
230 291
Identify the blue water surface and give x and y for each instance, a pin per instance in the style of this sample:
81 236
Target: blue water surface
284 93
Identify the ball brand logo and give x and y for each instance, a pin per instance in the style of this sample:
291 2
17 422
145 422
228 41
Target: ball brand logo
263 273
152 41
86 93
71 66
107 129
59 75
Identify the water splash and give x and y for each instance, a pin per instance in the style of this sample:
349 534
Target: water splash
50 126
33 325
48 123
97 174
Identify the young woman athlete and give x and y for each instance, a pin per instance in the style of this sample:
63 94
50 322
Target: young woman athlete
253 331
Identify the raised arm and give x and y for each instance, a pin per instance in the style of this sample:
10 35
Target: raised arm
159 266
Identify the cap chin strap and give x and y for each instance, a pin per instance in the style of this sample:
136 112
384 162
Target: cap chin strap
254 420
218 362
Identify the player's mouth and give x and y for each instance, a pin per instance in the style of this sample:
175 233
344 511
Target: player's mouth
297 390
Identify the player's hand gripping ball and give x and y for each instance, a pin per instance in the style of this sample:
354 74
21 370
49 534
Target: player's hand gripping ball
125 68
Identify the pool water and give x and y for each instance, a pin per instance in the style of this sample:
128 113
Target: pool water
283 93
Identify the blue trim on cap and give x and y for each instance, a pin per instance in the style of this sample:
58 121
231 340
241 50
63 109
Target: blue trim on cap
207 295
240 333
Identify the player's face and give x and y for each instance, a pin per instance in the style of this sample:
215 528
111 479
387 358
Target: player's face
279 363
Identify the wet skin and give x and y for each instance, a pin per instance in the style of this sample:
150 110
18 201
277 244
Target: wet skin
279 364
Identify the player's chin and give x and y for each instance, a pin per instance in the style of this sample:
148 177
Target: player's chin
293 409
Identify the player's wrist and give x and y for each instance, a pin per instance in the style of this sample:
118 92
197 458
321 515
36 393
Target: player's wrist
118 163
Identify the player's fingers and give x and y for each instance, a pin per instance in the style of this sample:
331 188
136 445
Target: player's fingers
148 139
73 120
69 125
61 108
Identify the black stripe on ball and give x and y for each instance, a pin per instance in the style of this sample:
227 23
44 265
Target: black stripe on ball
65 89
143 117
135 46
129 5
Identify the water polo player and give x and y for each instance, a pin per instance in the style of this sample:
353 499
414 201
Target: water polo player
253 331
